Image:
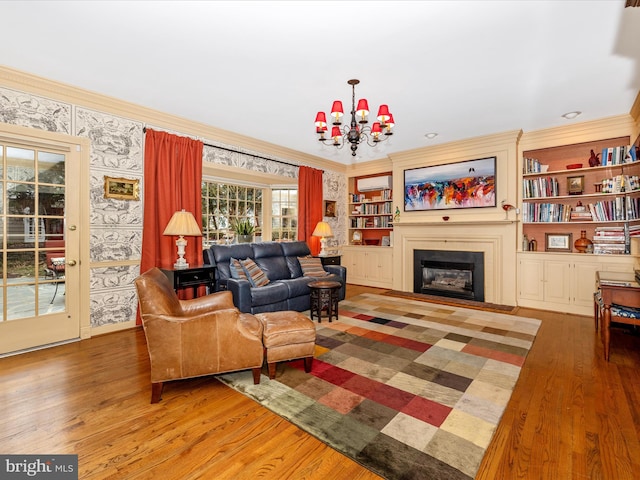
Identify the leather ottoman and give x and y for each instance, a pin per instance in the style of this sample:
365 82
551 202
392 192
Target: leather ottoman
287 335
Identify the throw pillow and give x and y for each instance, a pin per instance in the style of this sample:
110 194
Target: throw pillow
312 267
236 270
256 276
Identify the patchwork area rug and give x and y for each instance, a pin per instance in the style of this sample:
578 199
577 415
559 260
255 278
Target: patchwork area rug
408 389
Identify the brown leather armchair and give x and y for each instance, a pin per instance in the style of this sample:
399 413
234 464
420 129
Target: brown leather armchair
192 338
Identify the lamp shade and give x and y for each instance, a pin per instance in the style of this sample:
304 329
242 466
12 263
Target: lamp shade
321 120
323 229
376 130
383 113
337 111
336 134
183 223
362 110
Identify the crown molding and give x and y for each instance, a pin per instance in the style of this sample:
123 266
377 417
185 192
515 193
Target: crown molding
474 146
23 81
610 127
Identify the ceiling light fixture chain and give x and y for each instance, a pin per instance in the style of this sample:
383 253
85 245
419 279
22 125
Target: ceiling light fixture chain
358 131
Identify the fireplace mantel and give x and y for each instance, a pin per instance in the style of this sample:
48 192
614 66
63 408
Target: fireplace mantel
445 223
495 238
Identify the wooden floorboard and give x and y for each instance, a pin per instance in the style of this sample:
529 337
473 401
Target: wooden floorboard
571 416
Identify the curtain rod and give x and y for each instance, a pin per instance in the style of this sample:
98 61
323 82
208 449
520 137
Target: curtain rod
144 129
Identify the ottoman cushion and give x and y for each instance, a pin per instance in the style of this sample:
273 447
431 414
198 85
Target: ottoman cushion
286 328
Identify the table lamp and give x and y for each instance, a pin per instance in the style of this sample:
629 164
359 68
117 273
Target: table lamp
323 230
183 224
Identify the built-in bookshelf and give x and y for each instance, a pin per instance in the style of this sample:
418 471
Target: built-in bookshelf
370 215
588 187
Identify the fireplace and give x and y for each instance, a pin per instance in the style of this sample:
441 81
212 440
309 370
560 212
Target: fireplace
453 274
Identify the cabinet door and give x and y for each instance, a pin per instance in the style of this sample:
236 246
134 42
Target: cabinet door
359 268
584 280
385 260
530 279
557 281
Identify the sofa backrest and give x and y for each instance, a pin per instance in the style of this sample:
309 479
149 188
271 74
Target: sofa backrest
223 253
269 257
278 260
293 250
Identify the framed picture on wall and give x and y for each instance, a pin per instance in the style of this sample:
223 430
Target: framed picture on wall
121 188
329 208
467 184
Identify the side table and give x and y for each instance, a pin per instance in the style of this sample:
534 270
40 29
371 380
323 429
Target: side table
324 296
329 259
192 277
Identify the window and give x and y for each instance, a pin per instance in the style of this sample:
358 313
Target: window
223 204
284 214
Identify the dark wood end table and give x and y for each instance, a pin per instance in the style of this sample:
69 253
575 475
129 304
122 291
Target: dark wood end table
192 277
324 297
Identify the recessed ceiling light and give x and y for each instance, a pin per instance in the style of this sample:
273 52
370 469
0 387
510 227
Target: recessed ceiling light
571 115
431 135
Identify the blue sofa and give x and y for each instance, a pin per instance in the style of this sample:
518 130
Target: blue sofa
288 289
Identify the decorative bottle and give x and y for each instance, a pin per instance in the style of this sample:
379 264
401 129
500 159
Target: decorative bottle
582 243
533 245
525 243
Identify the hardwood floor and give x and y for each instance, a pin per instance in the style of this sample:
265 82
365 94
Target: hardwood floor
571 416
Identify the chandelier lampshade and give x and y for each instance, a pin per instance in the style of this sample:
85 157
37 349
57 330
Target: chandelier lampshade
358 130
337 112
383 113
321 120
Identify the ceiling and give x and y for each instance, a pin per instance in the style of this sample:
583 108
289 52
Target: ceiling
263 69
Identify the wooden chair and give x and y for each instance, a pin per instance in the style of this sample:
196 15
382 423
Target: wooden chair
620 314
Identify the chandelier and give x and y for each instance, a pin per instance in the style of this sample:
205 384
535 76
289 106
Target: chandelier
358 131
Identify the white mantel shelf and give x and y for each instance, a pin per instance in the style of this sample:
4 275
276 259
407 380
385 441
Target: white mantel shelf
463 222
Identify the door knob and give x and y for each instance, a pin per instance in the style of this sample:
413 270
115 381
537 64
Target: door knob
72 227
71 263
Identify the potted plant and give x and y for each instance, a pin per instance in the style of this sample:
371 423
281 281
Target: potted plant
244 230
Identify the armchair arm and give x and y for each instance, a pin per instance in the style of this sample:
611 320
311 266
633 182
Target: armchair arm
207 303
241 291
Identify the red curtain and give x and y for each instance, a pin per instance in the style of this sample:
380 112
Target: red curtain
309 206
172 182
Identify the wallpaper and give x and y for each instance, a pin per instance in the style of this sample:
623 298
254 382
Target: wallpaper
116 225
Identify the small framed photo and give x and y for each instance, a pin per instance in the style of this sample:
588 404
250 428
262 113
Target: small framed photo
356 237
329 208
386 241
575 185
121 188
558 242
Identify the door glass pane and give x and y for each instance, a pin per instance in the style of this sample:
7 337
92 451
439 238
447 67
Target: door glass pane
20 199
51 168
20 164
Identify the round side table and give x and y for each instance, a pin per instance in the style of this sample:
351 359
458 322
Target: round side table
324 297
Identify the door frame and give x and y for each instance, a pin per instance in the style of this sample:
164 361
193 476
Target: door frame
77 180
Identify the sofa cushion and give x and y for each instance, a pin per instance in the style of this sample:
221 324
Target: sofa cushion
269 294
312 267
236 270
268 256
293 250
298 286
255 275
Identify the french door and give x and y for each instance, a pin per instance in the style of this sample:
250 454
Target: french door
39 231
